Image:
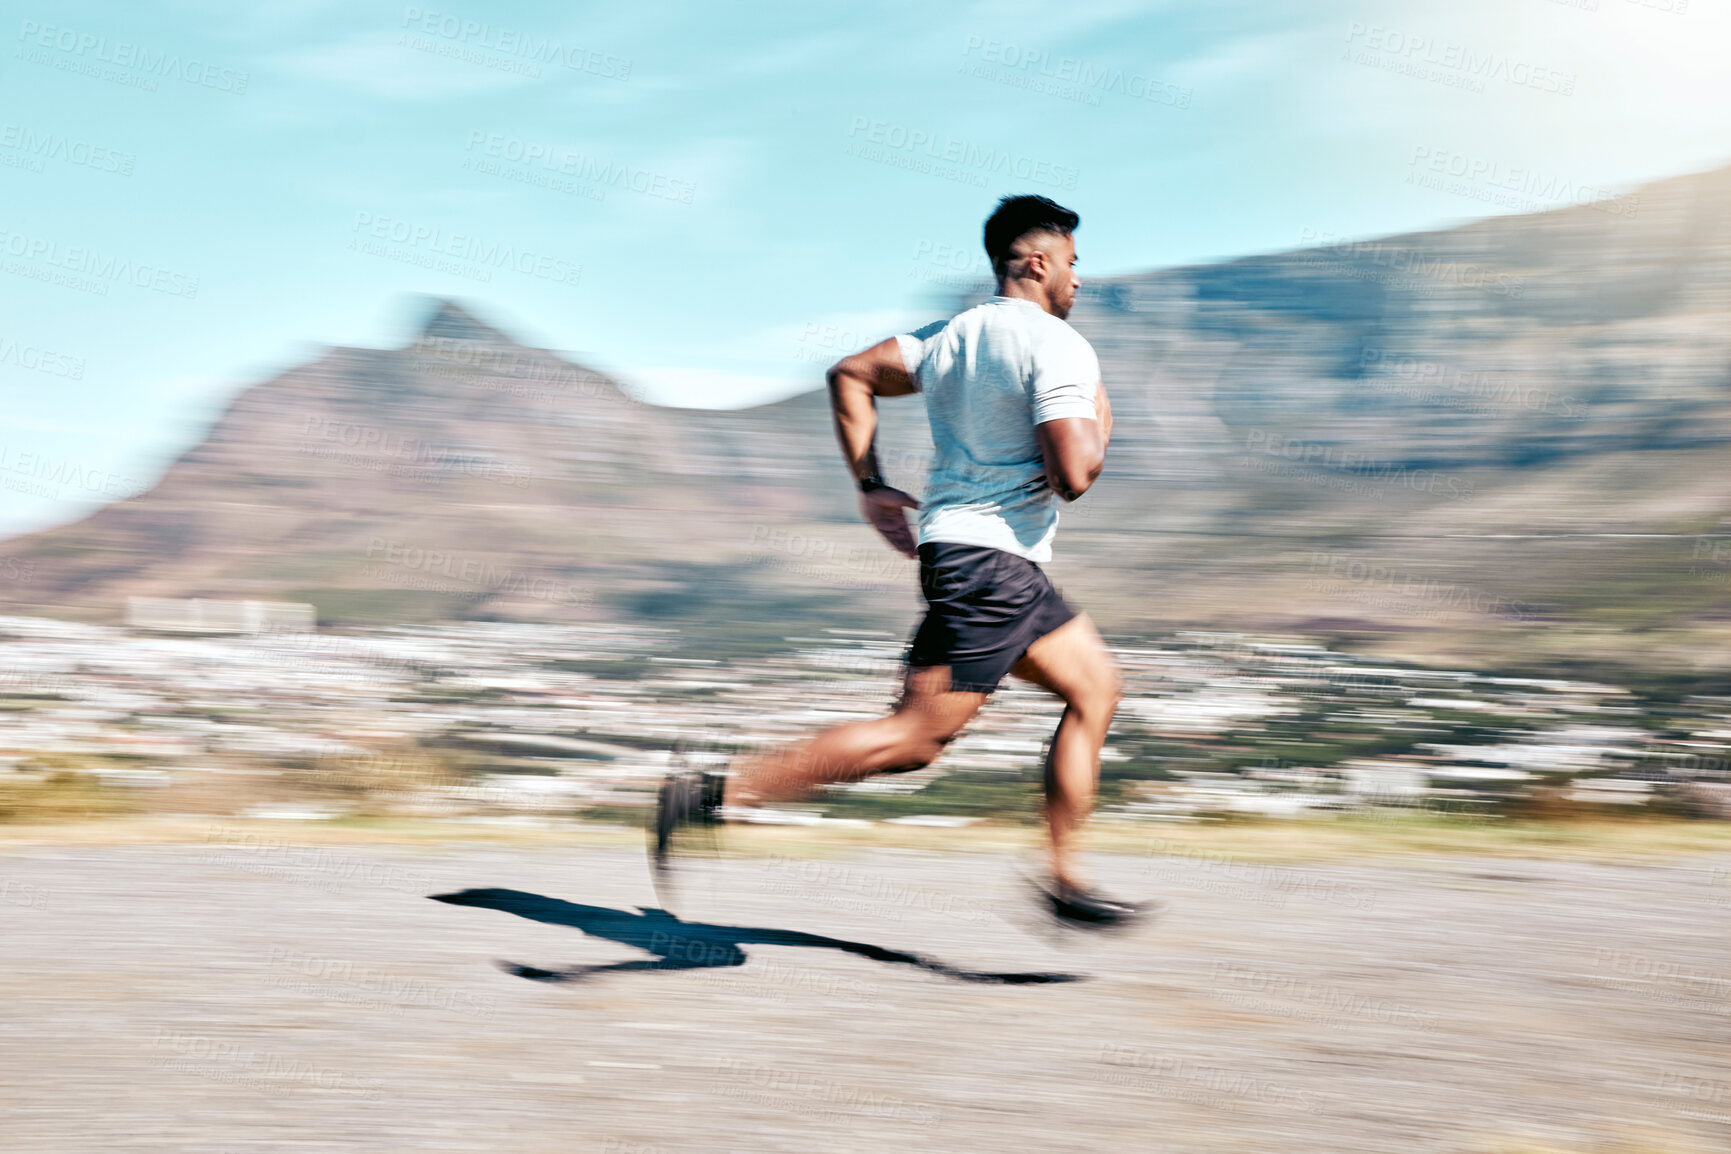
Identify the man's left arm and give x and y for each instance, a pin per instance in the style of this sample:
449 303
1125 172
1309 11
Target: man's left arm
1072 417
1103 414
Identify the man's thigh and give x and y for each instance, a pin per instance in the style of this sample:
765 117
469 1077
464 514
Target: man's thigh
931 706
1071 661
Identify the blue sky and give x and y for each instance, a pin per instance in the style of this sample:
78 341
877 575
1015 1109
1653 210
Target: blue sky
710 200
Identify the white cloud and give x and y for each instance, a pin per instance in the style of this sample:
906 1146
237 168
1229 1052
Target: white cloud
806 348
712 388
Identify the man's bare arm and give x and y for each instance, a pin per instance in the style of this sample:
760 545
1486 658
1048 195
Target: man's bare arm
1075 452
1074 448
855 383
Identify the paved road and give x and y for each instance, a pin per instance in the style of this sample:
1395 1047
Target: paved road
258 998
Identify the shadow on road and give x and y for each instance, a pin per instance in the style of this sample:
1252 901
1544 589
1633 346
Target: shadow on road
677 945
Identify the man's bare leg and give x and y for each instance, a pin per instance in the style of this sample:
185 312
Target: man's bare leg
1073 663
927 718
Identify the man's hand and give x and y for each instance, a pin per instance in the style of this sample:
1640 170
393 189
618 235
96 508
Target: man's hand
885 509
855 383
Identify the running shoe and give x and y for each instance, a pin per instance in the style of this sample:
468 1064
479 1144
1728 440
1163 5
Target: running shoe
688 800
1090 910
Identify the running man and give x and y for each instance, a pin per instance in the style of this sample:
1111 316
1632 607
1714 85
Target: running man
1019 422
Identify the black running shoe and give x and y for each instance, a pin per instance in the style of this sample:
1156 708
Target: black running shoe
1083 909
687 799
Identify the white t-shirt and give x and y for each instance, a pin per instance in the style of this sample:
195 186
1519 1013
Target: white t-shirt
990 375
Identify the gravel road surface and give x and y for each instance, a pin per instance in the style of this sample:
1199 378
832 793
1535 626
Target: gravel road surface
253 997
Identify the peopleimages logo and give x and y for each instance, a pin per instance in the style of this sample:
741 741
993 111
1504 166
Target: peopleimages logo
950 264
44 476
40 360
1361 467
474 571
1511 186
1454 65
1088 79
79 49
386 451
428 243
514 42
565 162
902 143
1451 386
17 568
88 269
1354 258
39 146
1345 570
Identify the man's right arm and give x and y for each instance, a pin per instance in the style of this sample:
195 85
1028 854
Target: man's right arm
855 383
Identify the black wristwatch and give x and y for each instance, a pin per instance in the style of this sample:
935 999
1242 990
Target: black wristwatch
871 484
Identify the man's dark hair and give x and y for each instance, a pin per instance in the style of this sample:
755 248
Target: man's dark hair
1016 216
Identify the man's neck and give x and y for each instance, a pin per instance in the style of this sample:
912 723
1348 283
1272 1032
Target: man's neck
1031 291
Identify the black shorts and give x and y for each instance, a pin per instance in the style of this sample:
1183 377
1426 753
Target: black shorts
986 607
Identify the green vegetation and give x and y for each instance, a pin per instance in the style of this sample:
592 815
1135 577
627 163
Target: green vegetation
608 668
336 607
963 794
739 613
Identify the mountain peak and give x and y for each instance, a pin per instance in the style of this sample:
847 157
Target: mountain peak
451 321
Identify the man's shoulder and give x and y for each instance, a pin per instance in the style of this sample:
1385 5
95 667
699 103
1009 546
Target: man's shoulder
932 328
975 317
1057 335
1045 334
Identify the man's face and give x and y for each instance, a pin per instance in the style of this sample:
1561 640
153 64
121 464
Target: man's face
1052 259
1061 279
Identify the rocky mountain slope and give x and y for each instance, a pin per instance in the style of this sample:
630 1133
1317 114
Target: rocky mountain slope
1503 438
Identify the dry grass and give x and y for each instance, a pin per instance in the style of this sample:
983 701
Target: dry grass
1603 841
59 796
